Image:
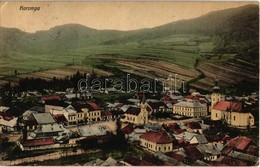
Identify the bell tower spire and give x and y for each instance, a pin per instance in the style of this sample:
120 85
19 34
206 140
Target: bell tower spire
215 96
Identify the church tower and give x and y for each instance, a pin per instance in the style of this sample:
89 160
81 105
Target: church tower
144 112
215 96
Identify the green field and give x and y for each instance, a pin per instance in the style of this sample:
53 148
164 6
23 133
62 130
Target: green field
174 49
219 38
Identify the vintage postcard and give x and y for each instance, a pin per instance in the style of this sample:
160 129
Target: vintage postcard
120 83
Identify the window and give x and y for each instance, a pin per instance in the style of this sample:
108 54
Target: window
234 118
216 114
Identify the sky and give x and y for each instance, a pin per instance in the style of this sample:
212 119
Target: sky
104 15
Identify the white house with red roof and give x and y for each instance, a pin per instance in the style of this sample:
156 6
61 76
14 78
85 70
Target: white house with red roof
157 141
233 113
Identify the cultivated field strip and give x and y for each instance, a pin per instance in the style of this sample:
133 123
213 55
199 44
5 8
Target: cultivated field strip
57 73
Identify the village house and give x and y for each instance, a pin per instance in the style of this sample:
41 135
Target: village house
198 139
241 145
106 115
55 106
193 154
154 107
190 108
178 155
137 132
44 99
8 122
45 126
193 127
192 138
209 151
136 115
71 115
61 119
239 151
157 141
36 109
58 107
87 112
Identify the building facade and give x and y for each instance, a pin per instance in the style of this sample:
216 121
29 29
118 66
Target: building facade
156 141
190 108
232 113
136 115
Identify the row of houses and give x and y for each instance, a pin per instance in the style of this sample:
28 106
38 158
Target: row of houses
195 105
176 144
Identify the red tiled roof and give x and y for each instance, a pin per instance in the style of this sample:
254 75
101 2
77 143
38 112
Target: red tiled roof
253 150
193 153
233 162
38 142
214 138
173 126
239 143
228 106
226 150
46 98
106 113
157 137
60 118
133 111
94 106
242 144
128 129
79 106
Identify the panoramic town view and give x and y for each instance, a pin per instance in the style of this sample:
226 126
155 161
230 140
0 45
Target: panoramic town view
129 84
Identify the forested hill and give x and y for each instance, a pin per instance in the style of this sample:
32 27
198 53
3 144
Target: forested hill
232 31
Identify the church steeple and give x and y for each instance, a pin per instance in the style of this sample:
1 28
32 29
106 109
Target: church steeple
215 96
144 115
216 87
143 99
